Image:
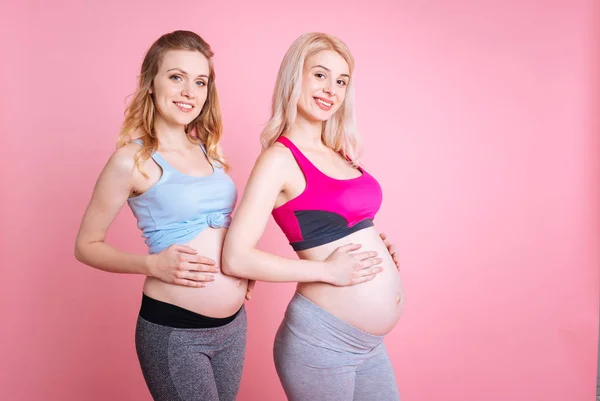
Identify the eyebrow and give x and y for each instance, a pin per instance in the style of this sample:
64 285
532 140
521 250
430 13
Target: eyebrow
328 70
185 73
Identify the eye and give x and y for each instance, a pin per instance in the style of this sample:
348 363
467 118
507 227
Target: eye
175 78
320 75
342 82
200 83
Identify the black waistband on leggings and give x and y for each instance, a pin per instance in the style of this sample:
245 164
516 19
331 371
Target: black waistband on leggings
169 315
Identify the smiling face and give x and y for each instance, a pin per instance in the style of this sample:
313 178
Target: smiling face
180 87
324 79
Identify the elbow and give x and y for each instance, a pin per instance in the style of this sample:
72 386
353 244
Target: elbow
232 264
79 252
228 264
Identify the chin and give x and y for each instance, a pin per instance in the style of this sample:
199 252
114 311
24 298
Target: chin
322 117
184 120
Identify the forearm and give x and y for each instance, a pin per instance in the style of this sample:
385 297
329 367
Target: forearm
254 264
104 257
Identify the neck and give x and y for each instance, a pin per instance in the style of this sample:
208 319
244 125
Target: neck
170 136
306 132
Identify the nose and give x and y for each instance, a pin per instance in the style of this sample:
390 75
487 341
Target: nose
188 91
330 89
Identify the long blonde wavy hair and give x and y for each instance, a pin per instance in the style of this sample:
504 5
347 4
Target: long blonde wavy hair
140 113
339 132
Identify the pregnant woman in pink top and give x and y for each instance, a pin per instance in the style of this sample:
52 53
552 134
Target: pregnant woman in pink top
330 343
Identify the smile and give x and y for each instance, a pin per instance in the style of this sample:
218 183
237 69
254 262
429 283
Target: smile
184 106
323 104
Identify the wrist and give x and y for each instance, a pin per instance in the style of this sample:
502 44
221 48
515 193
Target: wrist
149 262
324 275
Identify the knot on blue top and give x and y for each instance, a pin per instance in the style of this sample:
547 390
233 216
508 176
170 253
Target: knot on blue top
215 220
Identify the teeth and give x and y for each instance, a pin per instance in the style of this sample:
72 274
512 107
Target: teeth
324 103
185 106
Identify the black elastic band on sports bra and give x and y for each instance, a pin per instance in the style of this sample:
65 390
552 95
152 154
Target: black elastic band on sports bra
313 222
169 315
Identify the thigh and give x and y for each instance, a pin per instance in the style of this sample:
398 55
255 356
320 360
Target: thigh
311 373
172 370
375 378
228 364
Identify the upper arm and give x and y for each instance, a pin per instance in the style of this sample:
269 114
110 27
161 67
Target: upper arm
113 187
266 181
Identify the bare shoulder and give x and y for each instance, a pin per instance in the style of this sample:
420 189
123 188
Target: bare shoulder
272 165
122 160
276 155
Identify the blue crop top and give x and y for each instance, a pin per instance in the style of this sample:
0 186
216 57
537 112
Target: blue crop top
179 206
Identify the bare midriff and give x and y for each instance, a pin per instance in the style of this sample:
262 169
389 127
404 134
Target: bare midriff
374 306
220 298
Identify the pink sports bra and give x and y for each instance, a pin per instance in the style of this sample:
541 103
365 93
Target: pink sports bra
328 209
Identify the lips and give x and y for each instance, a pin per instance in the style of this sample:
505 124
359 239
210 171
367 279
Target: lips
324 104
184 106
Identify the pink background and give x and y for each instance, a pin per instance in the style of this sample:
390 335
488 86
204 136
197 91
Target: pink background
480 120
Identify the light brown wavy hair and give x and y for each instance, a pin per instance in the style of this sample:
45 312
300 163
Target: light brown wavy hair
207 128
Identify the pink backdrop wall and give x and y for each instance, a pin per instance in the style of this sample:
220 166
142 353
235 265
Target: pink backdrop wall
480 121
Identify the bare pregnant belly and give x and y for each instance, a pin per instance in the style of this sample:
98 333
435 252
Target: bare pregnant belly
220 298
375 306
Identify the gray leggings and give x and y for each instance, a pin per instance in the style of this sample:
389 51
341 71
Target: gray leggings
319 357
192 364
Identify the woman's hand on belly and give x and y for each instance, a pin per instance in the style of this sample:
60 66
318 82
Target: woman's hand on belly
350 269
391 249
181 265
249 289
